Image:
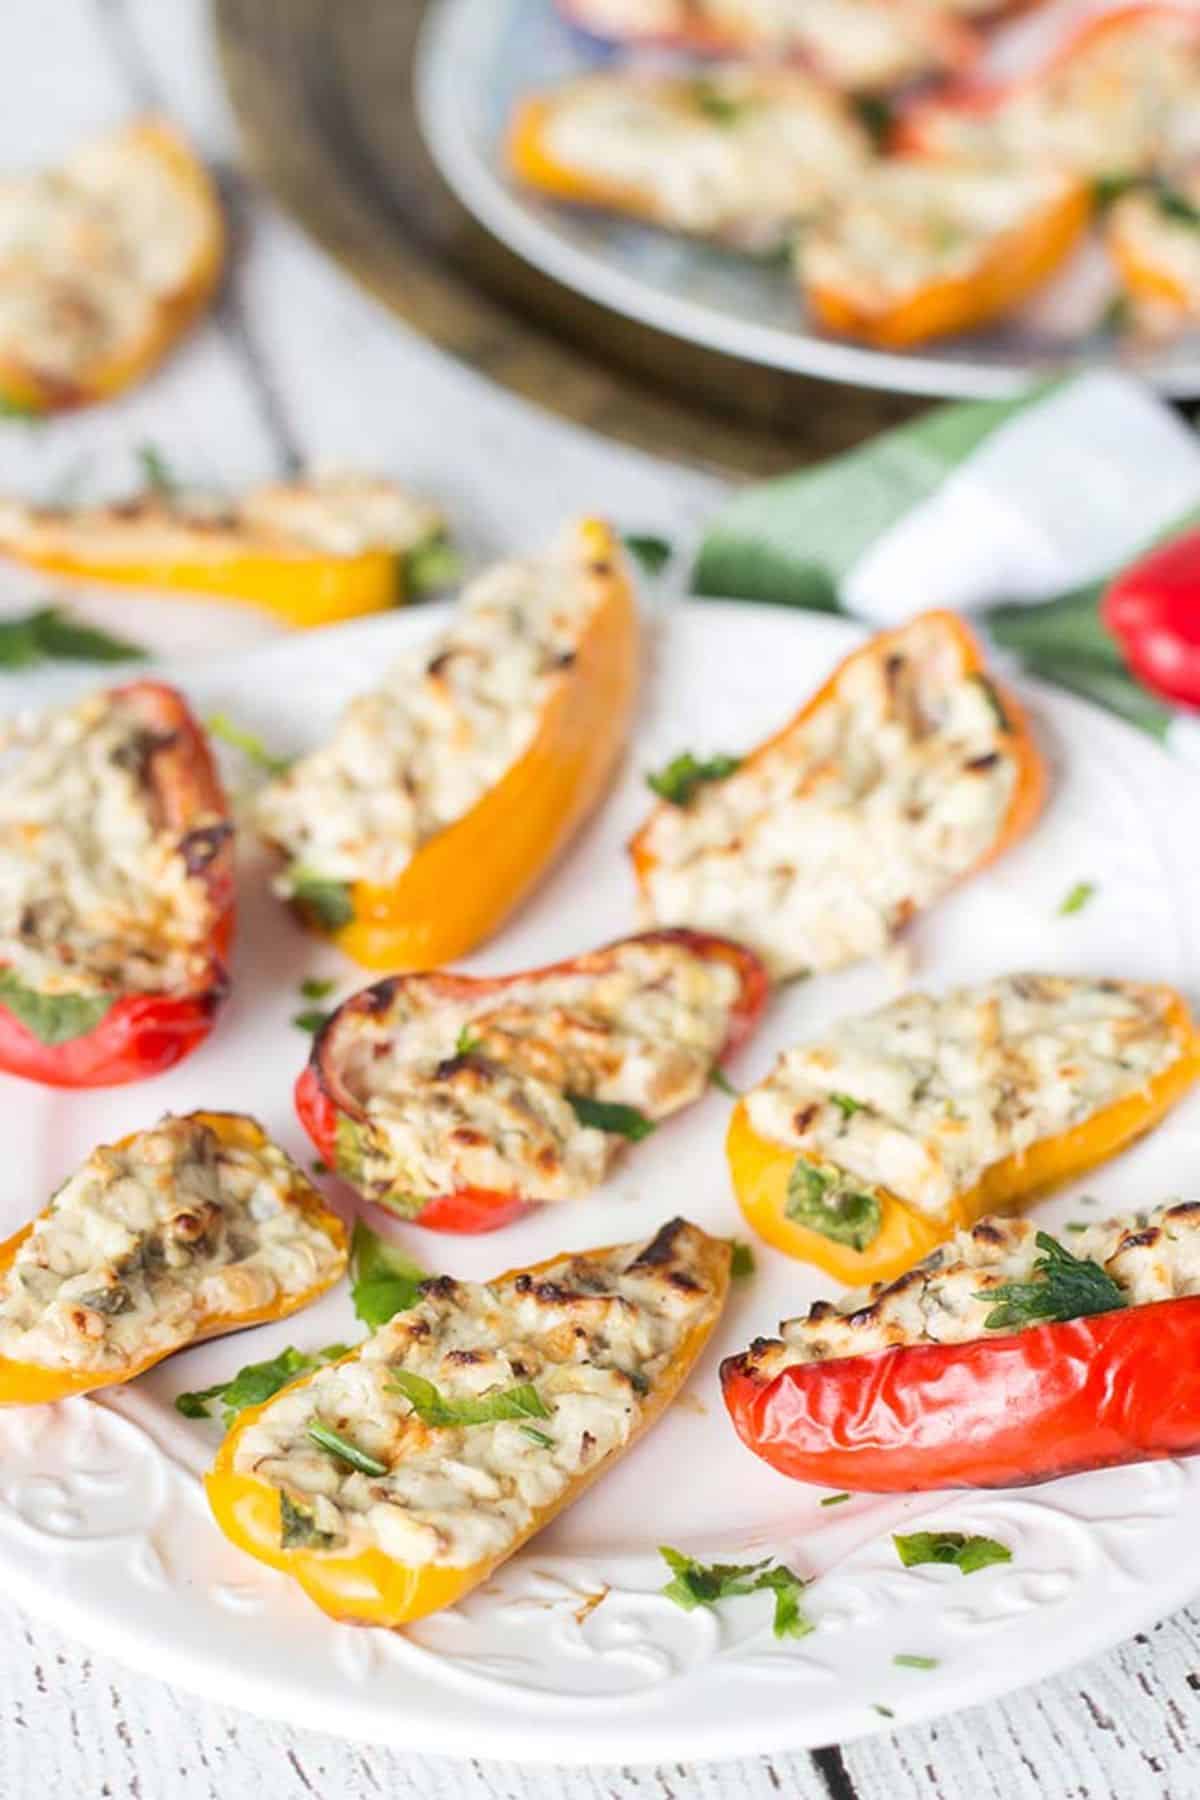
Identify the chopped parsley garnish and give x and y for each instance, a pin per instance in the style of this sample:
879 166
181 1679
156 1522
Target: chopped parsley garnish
1075 1225
297 1527
721 108
846 1105
1071 1287
719 1079
326 903
741 1262
685 773
383 1280
652 554
157 474
1108 189
318 1166
1175 205
696 1584
313 987
611 1116
541 1438
905 1661
1077 899
875 115
885 1712
326 1438
828 1202
52 1018
312 1019
50 634
965 1552
429 566
835 1499
465 1044
255 1383
428 1402
220 725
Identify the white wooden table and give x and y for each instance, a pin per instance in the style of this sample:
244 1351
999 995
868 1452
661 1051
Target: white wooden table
299 367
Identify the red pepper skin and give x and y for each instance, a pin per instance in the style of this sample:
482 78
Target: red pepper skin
321 1099
1090 1393
1153 611
143 1034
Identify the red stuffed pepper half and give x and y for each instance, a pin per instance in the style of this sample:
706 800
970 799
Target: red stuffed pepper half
460 1102
1003 1359
116 890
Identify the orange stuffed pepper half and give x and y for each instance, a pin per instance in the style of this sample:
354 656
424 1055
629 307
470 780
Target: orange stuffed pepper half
906 772
445 794
117 907
460 1102
1006 1358
864 1149
391 1483
313 551
194 1228
107 260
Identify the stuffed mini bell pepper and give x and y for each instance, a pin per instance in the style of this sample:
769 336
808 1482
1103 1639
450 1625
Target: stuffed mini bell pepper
741 155
313 551
391 1483
868 1146
907 771
1005 1358
460 1102
105 261
194 1228
117 905
1152 234
445 794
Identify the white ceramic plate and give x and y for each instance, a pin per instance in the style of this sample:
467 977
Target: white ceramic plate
103 1525
478 56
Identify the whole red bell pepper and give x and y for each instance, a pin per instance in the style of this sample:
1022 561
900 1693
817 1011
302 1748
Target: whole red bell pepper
1153 611
1052 1399
145 1032
329 1111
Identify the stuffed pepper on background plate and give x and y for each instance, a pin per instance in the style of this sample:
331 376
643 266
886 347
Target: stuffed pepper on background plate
197 1227
1153 236
116 889
459 1102
739 154
859 45
390 1483
445 794
1004 1358
866 1147
908 770
104 262
313 551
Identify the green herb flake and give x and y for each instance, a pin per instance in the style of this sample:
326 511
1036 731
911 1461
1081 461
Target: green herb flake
327 904
22 410
1078 898
298 1528
719 1079
678 781
156 473
967 1553
1070 1287
611 1116
383 1280
220 725
1117 316
835 1499
466 1044
541 1438
652 554
319 1167
430 1405
694 1584
885 1712
846 1105
326 1438
741 1262
988 689
313 987
429 566
721 108
1108 189
827 1201
312 1019
1075 1225
53 1018
255 1383
51 634
905 1661
1175 205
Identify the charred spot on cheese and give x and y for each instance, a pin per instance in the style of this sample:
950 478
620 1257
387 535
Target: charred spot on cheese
152 1240
98 898
441 1397
419 752
633 1030
817 848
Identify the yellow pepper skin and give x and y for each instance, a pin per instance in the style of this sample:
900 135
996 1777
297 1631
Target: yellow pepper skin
761 1170
370 1588
463 883
31 1384
28 390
